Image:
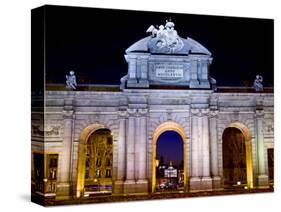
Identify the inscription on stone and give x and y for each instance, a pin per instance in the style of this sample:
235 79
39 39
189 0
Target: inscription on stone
169 71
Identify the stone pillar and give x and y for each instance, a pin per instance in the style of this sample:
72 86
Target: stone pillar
137 145
204 83
132 70
64 173
194 76
195 179
129 184
262 175
206 182
144 72
121 168
142 182
214 150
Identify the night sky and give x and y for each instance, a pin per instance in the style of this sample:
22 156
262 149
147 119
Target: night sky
93 42
170 147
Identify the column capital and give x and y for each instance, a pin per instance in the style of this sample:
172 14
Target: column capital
143 111
213 113
200 111
205 111
132 111
68 114
195 111
259 113
123 113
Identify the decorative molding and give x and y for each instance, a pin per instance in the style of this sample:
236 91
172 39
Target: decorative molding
53 130
123 113
213 113
67 114
143 111
200 111
132 111
259 114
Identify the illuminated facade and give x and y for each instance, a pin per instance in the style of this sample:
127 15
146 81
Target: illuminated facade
105 141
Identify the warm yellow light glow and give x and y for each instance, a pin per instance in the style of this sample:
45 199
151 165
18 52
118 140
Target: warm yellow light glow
248 143
157 163
82 152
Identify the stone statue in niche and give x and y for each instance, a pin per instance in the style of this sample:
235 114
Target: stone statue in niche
258 83
71 80
165 39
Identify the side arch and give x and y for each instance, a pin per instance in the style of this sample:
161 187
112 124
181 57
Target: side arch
82 151
248 145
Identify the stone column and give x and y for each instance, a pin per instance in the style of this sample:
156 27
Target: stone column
194 76
144 72
142 183
262 175
214 150
132 70
195 179
64 173
206 182
204 74
121 168
137 145
129 184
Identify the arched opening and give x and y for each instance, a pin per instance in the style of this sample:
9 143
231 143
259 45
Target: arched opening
169 158
169 162
95 161
237 157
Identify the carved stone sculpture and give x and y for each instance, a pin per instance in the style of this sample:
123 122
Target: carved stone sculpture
165 39
258 83
71 80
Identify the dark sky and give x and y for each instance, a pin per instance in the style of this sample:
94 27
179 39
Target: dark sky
170 146
93 42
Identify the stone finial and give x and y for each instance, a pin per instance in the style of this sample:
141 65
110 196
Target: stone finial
71 80
258 83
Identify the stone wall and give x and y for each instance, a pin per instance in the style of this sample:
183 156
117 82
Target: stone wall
133 116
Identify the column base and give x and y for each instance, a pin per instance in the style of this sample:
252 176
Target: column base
129 186
193 83
195 184
217 182
143 83
118 187
141 186
204 84
132 83
262 181
63 189
206 183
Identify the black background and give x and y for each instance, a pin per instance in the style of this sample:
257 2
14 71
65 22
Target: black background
93 41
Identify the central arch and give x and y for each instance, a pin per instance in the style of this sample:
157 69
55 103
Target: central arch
167 126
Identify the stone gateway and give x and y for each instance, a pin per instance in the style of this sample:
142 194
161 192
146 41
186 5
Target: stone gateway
104 141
